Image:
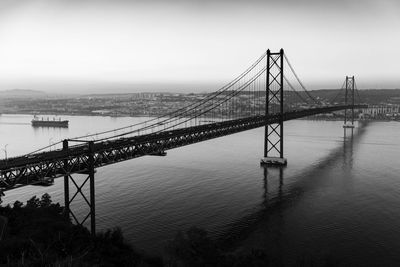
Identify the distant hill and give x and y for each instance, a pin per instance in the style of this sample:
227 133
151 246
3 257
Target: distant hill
22 93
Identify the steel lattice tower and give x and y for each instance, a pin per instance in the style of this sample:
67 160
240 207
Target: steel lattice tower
89 172
349 93
273 142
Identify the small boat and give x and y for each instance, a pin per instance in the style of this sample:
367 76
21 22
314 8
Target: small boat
45 182
158 153
36 122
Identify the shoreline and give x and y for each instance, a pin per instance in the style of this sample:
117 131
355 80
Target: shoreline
310 118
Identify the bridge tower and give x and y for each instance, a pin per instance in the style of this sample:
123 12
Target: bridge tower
273 139
349 100
81 188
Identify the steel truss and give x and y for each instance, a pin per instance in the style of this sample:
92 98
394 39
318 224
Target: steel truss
89 171
46 166
349 93
273 138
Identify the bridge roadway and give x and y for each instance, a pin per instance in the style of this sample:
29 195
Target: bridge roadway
41 168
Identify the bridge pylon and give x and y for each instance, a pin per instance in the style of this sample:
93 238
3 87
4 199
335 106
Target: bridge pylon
349 99
80 188
273 138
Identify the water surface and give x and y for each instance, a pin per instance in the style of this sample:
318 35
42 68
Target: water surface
335 197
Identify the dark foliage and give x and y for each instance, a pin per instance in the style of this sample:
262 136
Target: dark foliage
37 234
196 249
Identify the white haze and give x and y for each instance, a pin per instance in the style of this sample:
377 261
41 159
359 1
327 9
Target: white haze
128 46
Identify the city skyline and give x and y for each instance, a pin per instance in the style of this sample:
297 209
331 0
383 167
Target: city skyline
192 46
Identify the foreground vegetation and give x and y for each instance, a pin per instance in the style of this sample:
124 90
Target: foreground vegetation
38 234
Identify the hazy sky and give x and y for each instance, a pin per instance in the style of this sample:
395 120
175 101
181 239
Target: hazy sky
94 45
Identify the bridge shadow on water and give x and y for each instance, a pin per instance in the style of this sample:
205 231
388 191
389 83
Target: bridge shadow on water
276 200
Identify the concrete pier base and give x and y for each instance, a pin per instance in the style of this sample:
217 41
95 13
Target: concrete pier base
347 125
273 161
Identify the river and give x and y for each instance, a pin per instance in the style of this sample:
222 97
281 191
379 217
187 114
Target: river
338 197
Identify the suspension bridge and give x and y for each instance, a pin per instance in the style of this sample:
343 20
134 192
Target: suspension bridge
256 98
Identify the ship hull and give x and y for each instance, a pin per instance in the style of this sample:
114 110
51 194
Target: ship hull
63 124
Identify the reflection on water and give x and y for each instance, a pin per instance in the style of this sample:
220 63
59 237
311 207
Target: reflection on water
302 221
277 196
337 196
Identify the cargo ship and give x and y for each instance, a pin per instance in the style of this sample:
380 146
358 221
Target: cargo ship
36 122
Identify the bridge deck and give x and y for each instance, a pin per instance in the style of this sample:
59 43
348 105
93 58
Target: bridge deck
41 167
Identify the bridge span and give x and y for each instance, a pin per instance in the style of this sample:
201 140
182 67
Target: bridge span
44 167
254 99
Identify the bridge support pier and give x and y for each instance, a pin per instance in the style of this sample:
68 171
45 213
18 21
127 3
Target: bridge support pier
81 190
350 82
271 173
273 138
66 181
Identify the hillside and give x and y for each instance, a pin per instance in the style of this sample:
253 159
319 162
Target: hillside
22 93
